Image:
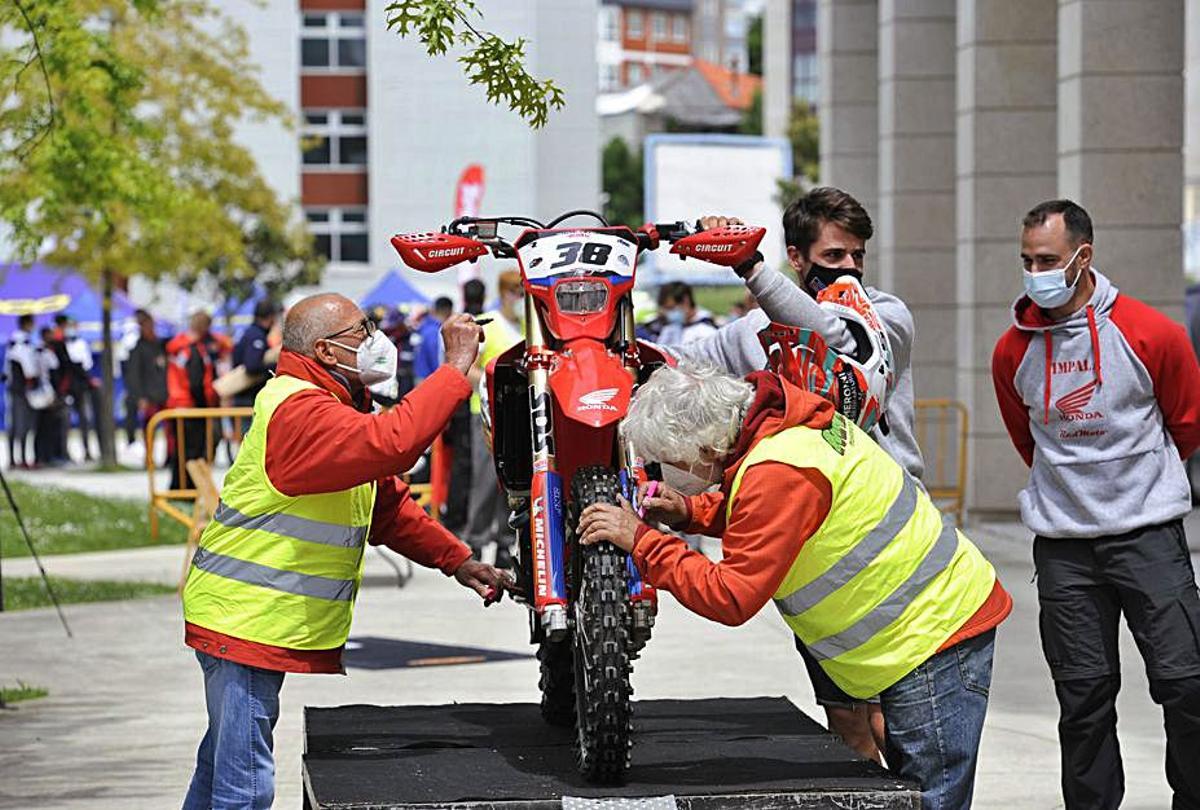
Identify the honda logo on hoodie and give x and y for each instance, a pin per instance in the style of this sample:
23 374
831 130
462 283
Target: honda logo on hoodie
1071 405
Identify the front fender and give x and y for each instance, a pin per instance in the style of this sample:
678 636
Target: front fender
591 384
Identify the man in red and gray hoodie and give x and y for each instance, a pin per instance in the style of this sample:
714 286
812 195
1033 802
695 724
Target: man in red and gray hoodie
1101 396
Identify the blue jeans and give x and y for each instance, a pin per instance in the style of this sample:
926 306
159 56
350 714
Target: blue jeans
235 766
934 718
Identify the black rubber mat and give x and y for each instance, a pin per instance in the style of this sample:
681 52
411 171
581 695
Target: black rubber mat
751 753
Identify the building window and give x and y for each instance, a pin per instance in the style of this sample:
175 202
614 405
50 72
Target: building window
633 24
610 24
340 234
637 74
804 14
658 22
334 139
609 78
805 86
679 24
333 39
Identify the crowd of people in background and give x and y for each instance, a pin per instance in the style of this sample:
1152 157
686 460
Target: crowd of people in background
49 377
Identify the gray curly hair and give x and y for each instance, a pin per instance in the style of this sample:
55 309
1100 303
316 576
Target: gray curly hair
682 414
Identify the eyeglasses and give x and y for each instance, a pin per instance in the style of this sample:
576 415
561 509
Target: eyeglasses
366 325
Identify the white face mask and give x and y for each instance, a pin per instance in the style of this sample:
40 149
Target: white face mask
696 479
376 359
1049 289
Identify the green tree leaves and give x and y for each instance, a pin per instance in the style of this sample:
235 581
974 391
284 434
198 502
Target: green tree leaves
497 65
120 115
621 169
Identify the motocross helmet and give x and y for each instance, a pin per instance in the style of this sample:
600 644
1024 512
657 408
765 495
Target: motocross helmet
858 384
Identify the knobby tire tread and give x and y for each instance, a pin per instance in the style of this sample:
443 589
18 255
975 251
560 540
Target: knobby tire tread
601 643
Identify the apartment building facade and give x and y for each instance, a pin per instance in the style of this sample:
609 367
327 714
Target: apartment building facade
384 131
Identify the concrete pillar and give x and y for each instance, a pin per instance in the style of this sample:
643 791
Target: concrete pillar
847 54
1120 137
915 246
777 67
1006 163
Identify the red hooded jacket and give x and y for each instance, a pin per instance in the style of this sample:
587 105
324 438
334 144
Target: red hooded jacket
778 508
320 444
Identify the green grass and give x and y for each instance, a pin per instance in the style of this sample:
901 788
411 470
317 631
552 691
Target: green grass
64 521
26 593
22 691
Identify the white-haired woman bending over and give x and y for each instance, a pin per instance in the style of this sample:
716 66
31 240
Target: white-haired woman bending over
889 597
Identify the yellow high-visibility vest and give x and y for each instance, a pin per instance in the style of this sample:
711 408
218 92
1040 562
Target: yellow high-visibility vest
498 337
886 580
274 568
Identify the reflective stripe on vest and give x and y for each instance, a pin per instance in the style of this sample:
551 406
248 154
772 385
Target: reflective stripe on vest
884 581
337 590
279 569
297 528
848 567
889 609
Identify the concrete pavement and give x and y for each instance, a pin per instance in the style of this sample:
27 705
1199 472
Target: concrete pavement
125 712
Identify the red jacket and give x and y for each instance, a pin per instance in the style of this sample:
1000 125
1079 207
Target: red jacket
320 444
778 508
191 369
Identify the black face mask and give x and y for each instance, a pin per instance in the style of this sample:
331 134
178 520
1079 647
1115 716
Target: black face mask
819 277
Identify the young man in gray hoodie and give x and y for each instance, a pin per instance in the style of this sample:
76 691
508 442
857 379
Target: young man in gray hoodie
826 233
1101 396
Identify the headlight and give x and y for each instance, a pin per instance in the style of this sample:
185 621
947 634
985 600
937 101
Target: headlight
581 296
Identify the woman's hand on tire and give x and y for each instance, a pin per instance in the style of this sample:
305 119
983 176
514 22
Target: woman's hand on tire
604 522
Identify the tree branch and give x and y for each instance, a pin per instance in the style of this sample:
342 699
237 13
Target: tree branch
27 148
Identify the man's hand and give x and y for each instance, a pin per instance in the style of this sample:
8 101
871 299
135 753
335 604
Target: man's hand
603 522
708 223
486 580
666 505
461 337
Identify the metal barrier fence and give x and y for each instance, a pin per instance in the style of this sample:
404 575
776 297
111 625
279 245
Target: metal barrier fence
162 501
175 503
942 436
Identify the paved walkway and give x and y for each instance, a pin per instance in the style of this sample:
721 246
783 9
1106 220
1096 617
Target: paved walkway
125 711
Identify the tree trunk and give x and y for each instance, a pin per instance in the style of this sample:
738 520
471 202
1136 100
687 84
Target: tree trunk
106 429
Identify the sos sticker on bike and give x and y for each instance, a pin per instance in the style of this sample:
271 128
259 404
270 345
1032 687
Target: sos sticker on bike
539 418
577 253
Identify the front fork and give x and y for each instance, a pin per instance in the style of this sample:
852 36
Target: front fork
547 519
642 596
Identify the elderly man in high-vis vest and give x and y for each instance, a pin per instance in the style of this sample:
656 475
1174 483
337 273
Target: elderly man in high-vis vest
273 583
889 597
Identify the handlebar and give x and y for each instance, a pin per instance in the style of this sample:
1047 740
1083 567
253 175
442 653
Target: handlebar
486 230
468 238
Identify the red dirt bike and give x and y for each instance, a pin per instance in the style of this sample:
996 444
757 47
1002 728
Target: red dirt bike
554 403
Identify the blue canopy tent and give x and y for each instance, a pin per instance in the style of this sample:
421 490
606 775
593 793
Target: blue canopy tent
393 290
233 316
44 291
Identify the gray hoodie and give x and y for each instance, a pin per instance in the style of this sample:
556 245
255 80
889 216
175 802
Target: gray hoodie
735 347
1100 405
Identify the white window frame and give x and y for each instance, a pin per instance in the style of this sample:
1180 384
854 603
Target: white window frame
634 24
336 226
610 24
333 31
658 26
679 27
640 77
334 129
610 77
